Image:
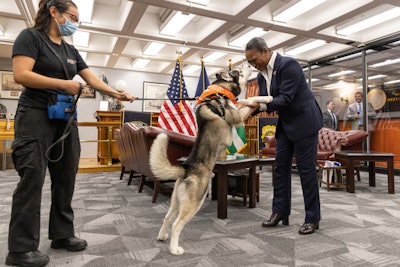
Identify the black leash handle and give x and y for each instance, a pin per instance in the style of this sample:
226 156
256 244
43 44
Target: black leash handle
67 130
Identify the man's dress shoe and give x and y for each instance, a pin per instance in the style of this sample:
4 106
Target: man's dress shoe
308 228
71 244
275 219
25 259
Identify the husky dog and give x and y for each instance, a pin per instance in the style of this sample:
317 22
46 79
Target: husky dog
216 114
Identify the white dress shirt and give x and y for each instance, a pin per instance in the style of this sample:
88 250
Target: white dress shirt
267 73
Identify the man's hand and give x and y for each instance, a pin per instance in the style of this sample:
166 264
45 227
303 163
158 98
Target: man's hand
252 104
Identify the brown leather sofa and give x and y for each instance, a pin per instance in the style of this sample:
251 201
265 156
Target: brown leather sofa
137 141
329 142
125 157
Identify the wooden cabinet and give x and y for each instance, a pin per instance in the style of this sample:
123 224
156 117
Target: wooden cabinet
6 137
154 119
104 133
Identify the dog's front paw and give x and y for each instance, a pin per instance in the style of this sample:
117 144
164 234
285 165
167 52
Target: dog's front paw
243 102
261 99
162 237
177 251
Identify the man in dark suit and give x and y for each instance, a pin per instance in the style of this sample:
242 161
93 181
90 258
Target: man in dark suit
296 133
330 118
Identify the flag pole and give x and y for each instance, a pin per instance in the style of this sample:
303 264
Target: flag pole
230 65
180 79
202 74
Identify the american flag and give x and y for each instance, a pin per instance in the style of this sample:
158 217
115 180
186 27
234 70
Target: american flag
177 115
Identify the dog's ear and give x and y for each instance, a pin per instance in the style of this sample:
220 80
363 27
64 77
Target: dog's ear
235 74
226 76
218 76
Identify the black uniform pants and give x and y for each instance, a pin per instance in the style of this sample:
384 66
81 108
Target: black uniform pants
34 133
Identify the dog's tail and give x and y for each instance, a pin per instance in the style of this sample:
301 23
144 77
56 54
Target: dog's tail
159 162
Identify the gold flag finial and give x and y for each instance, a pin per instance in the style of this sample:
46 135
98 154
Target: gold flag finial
180 54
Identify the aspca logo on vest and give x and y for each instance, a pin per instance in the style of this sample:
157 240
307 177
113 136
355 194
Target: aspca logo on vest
71 61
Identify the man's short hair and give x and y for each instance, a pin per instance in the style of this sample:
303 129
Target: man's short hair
358 93
257 43
329 101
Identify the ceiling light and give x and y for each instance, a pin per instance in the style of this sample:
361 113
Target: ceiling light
85 10
373 77
391 82
81 39
313 80
152 48
378 76
140 63
175 23
192 69
201 2
334 85
297 50
295 9
368 22
240 39
313 67
213 56
341 73
386 62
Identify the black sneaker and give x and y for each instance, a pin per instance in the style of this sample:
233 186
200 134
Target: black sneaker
71 244
28 259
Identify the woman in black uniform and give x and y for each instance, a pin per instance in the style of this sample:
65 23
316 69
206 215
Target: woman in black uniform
37 68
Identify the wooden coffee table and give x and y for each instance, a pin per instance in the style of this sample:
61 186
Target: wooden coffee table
350 157
220 182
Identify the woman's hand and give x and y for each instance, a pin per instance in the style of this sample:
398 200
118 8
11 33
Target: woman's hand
126 97
72 87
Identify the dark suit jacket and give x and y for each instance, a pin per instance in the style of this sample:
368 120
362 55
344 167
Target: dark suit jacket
328 121
299 114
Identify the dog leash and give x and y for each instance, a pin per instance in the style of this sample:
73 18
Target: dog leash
67 129
185 98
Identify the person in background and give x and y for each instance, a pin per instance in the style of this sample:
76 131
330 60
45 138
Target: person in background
355 113
36 67
331 119
299 121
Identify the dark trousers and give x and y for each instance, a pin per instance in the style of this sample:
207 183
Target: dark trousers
306 156
34 133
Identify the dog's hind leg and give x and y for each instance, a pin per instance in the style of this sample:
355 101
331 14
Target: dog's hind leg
186 212
173 210
185 215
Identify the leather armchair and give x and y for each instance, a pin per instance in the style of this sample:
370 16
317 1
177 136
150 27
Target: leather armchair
329 142
138 140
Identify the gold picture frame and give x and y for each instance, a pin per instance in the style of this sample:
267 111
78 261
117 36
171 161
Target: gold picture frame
154 95
8 87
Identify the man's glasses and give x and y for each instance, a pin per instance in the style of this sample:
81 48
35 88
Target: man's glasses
73 17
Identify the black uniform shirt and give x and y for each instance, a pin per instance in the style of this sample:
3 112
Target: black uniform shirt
29 43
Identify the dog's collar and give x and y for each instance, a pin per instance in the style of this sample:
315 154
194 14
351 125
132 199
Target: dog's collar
216 89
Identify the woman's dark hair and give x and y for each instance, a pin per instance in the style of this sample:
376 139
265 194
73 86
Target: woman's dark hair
42 19
257 44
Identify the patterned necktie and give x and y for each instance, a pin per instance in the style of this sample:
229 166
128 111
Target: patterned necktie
360 113
333 119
